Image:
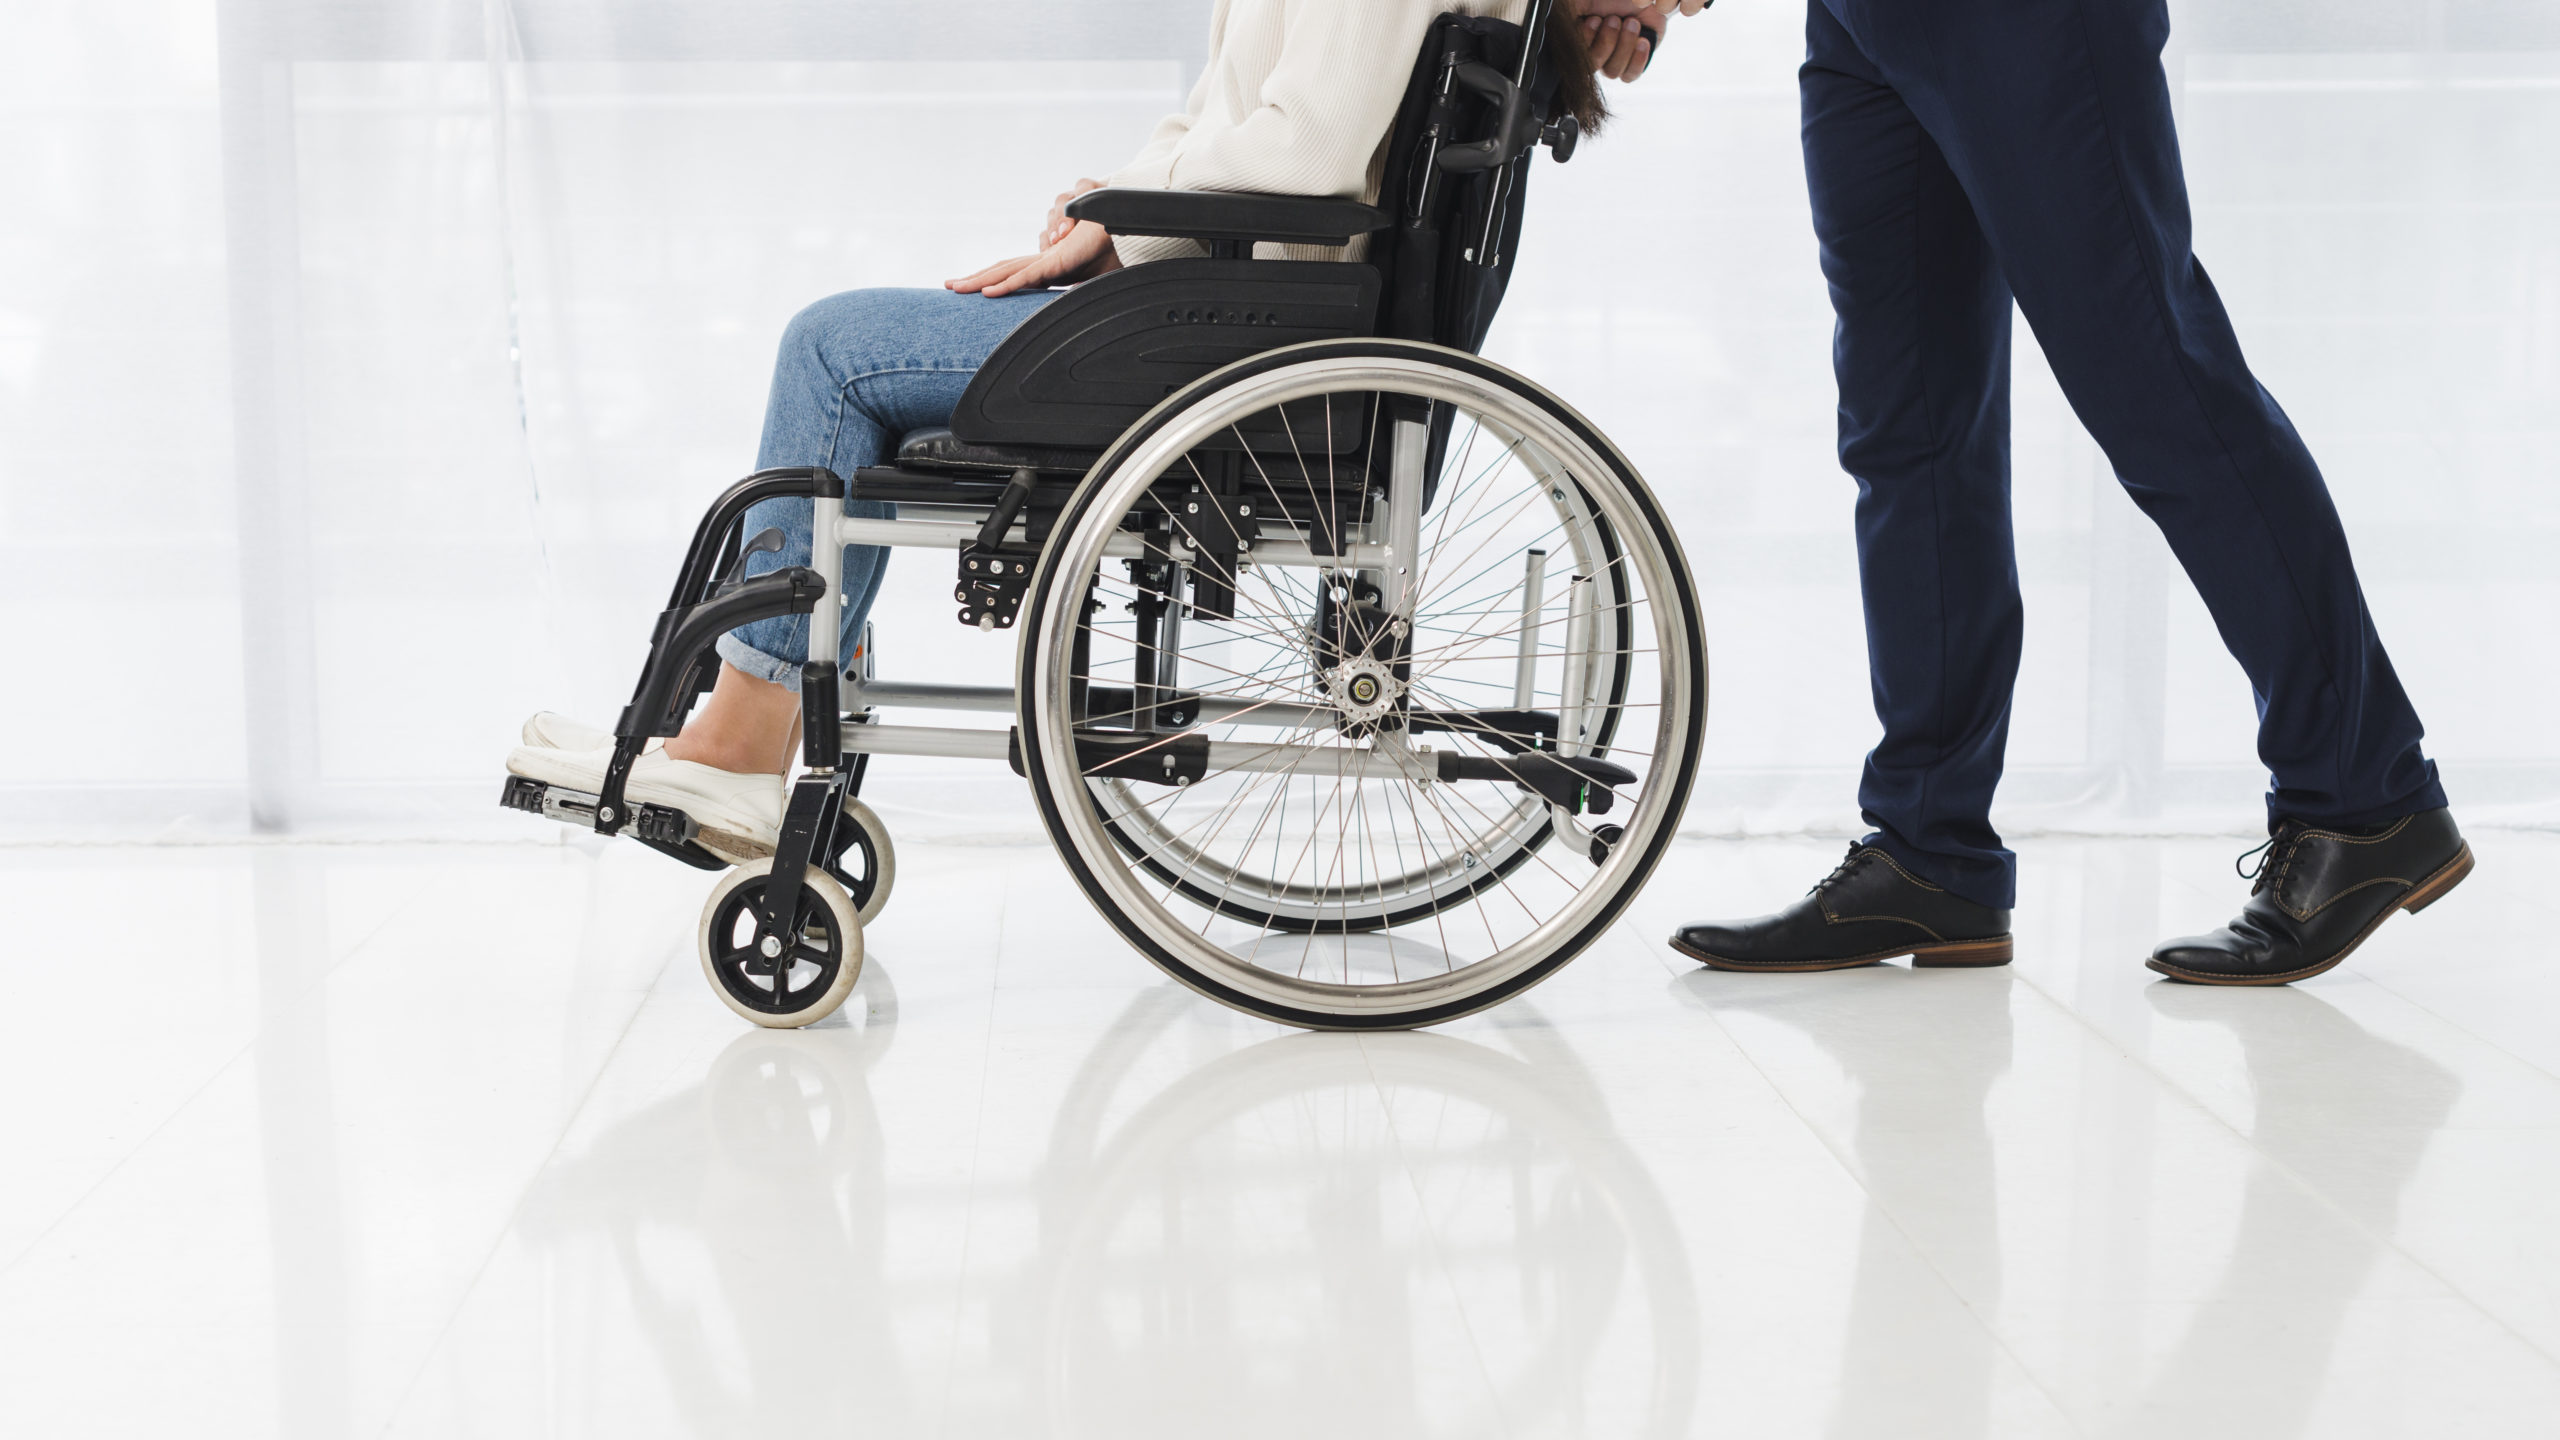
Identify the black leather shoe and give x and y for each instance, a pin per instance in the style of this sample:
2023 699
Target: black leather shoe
1868 910
2317 895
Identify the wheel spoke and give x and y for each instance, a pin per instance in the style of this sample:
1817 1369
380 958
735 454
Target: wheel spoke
1344 865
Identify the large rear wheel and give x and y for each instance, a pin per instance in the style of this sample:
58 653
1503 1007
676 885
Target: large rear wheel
1362 685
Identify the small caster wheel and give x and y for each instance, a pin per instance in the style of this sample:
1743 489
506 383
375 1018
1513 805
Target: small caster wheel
864 861
788 979
1604 840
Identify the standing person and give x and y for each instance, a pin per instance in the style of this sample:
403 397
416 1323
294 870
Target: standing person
1963 154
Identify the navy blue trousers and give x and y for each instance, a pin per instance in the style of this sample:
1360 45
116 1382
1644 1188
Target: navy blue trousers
1966 153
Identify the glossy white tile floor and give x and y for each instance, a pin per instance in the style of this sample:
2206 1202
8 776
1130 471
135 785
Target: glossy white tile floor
451 1141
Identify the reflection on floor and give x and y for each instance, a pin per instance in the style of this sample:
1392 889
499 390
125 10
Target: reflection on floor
323 1141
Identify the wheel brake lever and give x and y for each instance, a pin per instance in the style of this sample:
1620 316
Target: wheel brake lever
768 541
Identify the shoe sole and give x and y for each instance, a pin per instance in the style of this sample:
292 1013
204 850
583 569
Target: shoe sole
1944 955
728 845
2425 893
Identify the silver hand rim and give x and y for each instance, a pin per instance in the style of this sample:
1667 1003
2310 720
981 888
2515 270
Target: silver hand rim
1556 453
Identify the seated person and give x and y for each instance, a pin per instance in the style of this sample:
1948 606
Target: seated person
1296 98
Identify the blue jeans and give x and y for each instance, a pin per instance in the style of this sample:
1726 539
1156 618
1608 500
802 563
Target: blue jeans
856 373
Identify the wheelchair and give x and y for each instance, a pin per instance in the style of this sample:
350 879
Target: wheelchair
1359 681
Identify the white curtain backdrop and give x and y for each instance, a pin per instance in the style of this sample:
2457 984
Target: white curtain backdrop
364 367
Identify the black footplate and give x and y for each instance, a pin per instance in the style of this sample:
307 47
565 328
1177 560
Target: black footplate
660 825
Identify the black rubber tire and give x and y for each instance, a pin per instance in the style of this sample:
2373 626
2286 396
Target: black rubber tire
1044 584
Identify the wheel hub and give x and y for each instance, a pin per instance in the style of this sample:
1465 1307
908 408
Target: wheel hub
1364 690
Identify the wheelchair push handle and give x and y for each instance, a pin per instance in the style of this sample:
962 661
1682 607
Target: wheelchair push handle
1516 126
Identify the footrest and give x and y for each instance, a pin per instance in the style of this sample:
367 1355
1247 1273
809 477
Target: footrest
661 827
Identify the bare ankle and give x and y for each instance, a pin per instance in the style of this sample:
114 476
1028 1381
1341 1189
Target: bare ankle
721 755
744 729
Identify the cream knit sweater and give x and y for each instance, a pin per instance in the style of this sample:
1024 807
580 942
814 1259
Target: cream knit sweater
1297 99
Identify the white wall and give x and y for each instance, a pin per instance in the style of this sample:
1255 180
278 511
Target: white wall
457 312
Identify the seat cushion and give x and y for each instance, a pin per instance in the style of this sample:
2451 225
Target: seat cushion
939 449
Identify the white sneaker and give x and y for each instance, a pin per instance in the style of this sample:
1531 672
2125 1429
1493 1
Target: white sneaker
559 732
740 815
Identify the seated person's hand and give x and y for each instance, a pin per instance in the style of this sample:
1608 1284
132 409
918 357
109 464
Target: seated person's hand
1082 253
1055 228
1613 31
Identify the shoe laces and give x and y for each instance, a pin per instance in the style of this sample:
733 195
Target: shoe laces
1840 871
2274 857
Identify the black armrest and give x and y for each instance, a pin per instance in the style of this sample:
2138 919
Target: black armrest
1224 215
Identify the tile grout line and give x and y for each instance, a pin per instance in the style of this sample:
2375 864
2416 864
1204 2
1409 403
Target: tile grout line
1439 1256
2432 1013
212 1078
1918 1251
498 1241
2027 980
2423 1008
2304 1183
977 1160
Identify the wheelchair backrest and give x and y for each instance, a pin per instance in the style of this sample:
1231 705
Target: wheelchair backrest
1446 263
1085 368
